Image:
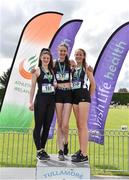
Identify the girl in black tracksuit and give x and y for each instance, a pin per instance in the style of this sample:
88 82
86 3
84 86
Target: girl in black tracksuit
44 104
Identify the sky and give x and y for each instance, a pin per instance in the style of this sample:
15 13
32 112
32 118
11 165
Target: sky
100 19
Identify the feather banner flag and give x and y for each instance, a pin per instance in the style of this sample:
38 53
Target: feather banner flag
37 34
106 72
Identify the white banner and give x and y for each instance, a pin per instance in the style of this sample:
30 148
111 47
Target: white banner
36 35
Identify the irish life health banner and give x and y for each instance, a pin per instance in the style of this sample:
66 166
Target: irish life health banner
36 34
66 33
106 73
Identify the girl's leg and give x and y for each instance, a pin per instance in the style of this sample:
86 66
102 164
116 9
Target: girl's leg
39 116
82 126
47 122
75 110
59 110
76 114
65 121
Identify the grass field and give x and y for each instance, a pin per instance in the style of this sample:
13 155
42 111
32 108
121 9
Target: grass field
116 117
17 149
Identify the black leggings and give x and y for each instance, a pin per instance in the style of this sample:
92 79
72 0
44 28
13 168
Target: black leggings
44 108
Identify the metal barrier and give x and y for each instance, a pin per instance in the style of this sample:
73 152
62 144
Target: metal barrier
113 156
18 149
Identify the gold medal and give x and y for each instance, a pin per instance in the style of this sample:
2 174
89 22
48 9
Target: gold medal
62 77
62 71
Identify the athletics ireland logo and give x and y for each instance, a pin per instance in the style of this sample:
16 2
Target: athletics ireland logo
26 66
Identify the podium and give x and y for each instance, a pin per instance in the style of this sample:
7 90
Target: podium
62 170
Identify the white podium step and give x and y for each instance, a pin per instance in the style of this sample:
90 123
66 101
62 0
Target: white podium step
62 170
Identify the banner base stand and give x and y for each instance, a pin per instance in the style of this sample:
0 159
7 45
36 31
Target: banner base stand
62 170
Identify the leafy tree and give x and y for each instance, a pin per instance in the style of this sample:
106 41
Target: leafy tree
3 83
120 98
122 90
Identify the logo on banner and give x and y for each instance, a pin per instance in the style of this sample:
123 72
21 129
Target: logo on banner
66 41
26 66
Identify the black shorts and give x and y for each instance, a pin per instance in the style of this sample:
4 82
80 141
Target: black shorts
63 96
80 95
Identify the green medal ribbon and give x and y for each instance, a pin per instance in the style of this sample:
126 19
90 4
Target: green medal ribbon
47 74
62 70
78 73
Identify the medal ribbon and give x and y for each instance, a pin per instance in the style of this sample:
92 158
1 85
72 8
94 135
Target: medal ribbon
62 70
48 75
78 73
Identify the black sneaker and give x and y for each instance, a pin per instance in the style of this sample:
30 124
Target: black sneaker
66 150
61 155
42 156
75 154
80 158
38 155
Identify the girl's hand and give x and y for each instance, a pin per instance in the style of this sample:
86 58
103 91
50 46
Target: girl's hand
33 71
73 64
31 107
55 85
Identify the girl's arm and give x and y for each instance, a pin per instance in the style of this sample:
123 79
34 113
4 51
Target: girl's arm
32 90
92 81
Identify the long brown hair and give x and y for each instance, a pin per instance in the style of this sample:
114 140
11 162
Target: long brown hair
46 51
84 60
66 61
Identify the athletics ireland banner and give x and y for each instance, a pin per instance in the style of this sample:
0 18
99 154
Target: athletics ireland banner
37 34
66 33
106 73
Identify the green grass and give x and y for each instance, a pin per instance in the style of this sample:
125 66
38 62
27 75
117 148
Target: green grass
18 149
117 117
